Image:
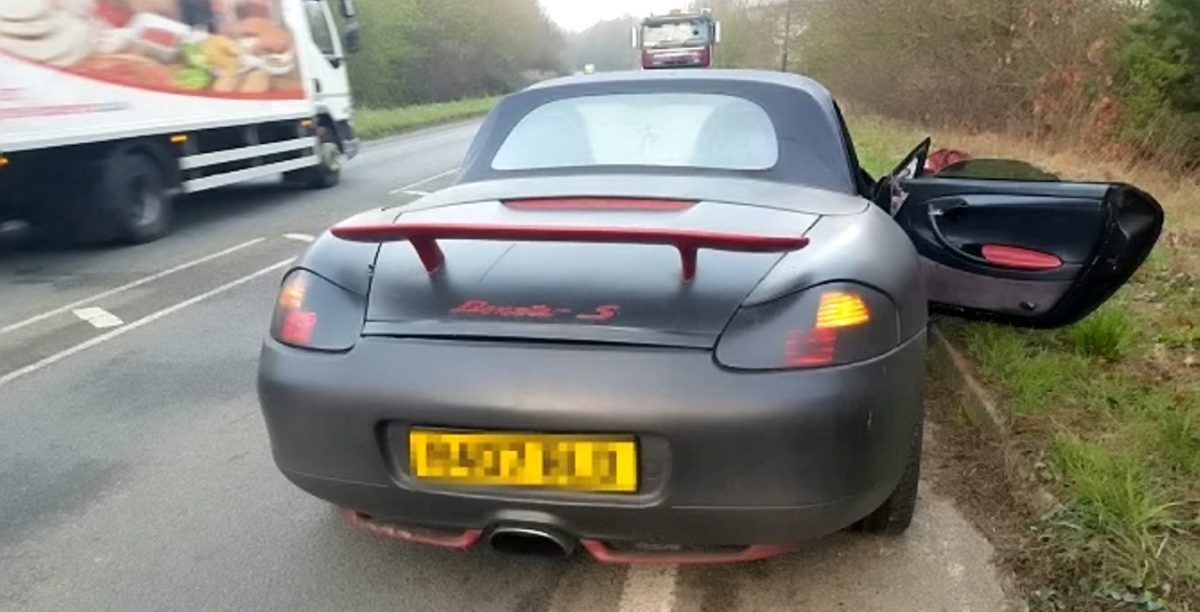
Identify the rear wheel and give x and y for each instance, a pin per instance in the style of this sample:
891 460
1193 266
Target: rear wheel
123 196
136 197
895 514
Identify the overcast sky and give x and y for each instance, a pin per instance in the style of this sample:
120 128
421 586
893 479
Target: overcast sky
579 14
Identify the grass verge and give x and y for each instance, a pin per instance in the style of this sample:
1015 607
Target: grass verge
1107 410
374 123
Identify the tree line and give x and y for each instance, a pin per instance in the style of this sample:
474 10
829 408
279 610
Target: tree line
1119 74
1123 75
418 51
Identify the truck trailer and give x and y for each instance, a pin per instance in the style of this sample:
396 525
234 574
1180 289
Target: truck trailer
112 109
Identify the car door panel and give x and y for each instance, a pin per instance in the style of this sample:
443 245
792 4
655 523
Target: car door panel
1028 253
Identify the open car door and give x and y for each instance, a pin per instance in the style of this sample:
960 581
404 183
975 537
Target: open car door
1033 253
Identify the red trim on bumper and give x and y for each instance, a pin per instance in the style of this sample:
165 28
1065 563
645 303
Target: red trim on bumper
602 553
365 523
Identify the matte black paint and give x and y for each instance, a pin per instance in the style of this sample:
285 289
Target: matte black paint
643 283
734 458
729 456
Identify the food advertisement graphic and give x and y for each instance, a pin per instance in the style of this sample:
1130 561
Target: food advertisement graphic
217 48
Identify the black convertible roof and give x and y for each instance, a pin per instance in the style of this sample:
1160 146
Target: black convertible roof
785 79
813 150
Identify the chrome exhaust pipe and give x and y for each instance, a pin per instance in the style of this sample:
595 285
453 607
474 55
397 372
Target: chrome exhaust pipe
531 541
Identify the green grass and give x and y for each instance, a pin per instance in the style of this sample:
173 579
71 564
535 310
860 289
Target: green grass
1112 403
1106 333
1116 519
373 123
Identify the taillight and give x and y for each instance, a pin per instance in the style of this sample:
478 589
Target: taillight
828 325
313 313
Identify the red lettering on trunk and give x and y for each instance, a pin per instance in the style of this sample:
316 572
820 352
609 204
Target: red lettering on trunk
483 308
603 313
471 307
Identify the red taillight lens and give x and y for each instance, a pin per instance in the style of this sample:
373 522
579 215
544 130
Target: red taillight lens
810 349
836 311
313 313
298 326
827 325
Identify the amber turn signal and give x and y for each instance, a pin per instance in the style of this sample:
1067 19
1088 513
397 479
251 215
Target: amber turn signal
840 309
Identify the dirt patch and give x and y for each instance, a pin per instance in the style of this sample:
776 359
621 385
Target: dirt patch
968 464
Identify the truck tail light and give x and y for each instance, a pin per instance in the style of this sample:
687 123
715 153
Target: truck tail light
827 325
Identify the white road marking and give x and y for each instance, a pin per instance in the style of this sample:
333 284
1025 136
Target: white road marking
142 322
422 182
299 237
99 317
126 287
649 588
414 192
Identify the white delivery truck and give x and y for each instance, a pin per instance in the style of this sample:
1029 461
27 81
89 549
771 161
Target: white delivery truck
109 109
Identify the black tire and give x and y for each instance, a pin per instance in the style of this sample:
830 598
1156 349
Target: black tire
895 514
122 197
136 197
327 173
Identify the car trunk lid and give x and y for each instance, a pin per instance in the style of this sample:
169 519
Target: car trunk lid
616 290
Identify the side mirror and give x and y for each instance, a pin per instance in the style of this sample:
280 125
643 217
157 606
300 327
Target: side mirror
717 33
349 11
352 39
637 42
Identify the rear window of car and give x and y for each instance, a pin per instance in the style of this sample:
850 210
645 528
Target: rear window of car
688 130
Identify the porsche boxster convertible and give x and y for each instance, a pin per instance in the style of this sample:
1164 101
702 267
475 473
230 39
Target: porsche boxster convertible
663 317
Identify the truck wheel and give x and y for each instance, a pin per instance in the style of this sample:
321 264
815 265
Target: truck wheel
327 173
136 197
895 514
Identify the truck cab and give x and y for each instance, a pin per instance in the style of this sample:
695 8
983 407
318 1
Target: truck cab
324 63
677 40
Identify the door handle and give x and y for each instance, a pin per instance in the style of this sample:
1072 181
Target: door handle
996 256
937 212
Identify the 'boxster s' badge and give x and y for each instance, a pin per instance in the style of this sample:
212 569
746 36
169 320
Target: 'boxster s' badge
482 308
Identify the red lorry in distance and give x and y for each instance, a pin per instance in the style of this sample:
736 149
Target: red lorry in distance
677 40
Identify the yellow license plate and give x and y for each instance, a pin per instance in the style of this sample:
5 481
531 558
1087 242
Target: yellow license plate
572 462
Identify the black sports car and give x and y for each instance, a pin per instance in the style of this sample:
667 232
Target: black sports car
665 316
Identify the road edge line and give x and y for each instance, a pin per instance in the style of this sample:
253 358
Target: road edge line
649 588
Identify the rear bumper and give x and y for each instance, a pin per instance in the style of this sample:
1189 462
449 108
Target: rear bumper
727 458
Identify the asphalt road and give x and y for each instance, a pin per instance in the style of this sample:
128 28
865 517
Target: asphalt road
135 472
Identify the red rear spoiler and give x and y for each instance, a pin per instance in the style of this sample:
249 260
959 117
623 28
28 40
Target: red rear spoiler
424 237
